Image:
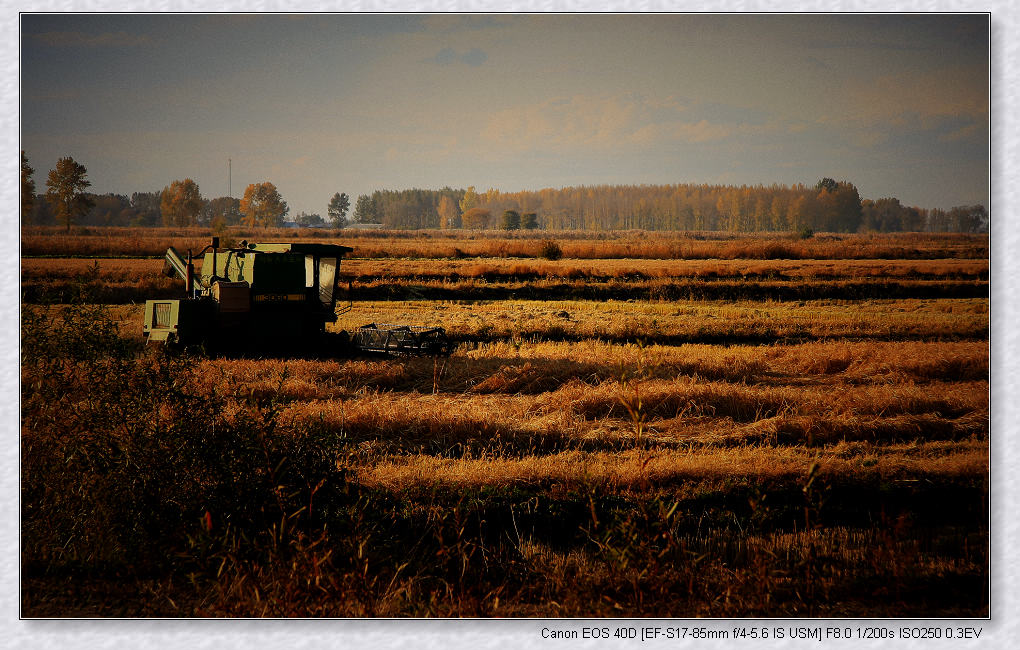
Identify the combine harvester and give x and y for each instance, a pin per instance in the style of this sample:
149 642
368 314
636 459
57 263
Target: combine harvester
271 299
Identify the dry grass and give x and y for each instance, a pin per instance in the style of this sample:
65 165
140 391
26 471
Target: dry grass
366 270
672 457
685 321
132 242
517 322
639 470
135 280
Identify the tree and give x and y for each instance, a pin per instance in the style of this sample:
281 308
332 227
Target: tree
263 206
305 219
529 221
511 220
180 203
826 184
838 206
65 191
969 218
226 208
109 210
27 188
337 210
365 210
476 218
146 209
42 212
882 215
449 214
469 201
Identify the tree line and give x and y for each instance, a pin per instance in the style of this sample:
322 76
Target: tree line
67 202
827 206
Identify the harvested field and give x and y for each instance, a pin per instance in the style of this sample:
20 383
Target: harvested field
807 457
152 242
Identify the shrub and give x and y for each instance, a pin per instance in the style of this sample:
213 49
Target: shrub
550 250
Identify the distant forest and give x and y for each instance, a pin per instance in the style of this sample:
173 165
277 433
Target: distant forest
828 206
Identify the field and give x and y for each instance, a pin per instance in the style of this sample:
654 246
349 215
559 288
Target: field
632 424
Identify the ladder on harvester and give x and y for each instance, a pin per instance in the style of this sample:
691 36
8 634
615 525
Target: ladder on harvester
402 339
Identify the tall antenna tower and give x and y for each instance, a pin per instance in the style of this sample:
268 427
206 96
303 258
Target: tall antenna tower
230 170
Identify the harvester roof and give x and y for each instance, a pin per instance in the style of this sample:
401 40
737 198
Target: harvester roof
322 250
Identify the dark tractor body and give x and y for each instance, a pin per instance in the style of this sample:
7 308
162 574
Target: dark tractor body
272 300
271 297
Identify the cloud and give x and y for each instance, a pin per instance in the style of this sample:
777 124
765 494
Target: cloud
603 123
948 105
973 130
447 24
81 39
448 56
957 92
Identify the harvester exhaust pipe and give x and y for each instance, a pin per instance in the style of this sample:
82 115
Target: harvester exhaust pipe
215 245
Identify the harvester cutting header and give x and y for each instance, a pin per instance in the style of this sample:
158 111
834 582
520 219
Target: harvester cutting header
273 298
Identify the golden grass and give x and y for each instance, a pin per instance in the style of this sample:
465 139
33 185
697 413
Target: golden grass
552 402
520 322
42 240
617 320
549 365
640 469
364 270
631 269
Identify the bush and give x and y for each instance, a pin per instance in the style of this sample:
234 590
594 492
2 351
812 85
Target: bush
550 250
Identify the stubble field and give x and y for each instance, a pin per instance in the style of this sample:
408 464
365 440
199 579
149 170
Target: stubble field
650 425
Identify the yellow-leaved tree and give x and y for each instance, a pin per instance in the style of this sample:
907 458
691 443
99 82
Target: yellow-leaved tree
263 206
449 215
470 200
180 203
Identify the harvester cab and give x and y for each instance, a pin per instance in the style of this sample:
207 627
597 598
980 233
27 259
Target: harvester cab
272 297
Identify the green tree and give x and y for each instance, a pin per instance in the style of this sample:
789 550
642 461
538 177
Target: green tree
305 219
180 203
27 188
529 221
65 191
337 210
511 220
449 214
365 210
827 184
263 206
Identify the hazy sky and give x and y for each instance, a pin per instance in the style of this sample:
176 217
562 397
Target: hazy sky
317 104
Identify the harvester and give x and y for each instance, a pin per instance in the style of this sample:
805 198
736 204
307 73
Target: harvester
273 298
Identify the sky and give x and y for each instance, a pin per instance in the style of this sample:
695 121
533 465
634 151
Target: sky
318 104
